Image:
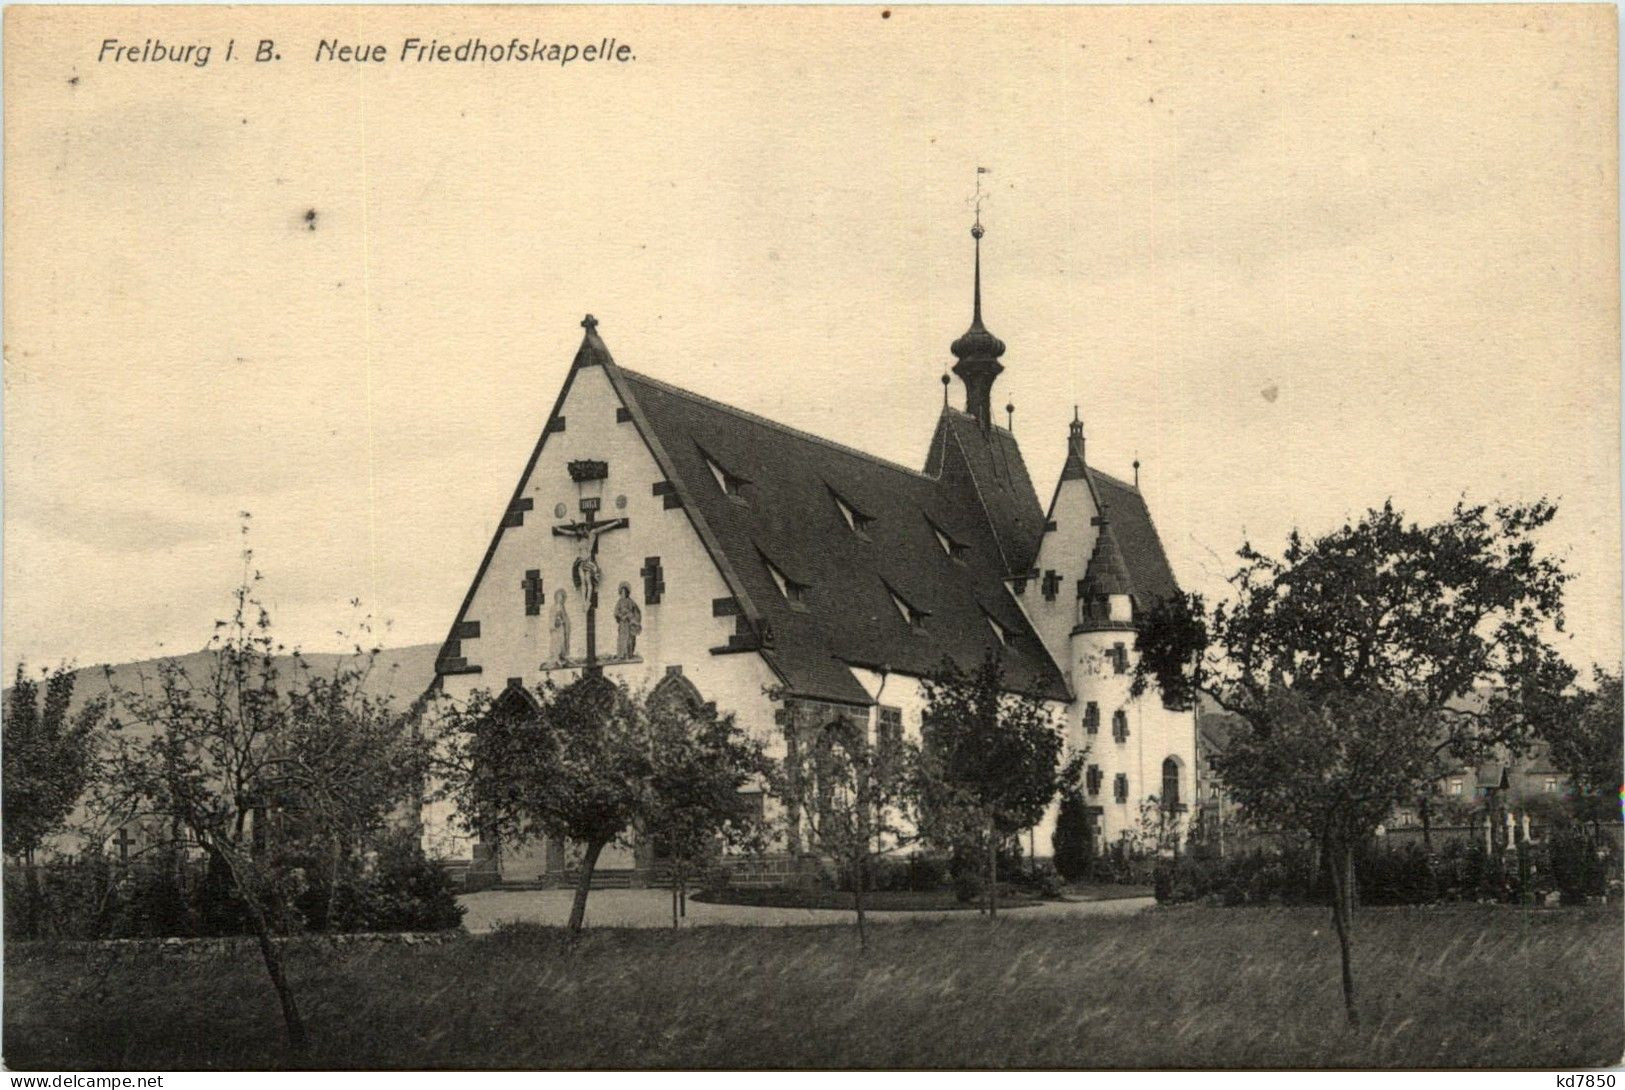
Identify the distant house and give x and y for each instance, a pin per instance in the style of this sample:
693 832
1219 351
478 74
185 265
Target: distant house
1212 731
1461 797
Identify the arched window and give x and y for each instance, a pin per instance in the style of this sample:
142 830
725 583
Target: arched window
515 703
678 693
1170 782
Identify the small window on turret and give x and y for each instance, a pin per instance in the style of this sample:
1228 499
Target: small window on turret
1119 726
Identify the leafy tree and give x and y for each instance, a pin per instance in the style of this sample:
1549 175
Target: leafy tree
570 763
990 763
695 801
1586 740
262 771
854 798
1349 660
1073 842
590 761
47 758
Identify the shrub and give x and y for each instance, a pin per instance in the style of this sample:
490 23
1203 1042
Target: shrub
1041 878
1073 841
1578 870
926 873
410 892
1396 876
968 885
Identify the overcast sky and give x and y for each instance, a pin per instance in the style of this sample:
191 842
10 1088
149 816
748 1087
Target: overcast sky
1298 261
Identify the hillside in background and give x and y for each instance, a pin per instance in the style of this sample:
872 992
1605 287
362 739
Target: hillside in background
400 674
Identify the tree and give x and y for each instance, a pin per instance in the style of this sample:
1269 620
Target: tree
570 762
262 771
990 763
1586 745
854 797
589 762
1359 664
1074 840
47 758
695 801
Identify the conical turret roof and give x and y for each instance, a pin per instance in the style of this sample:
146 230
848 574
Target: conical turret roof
1106 576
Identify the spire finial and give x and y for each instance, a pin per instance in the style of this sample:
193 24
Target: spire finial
978 351
1010 416
946 382
976 232
1074 469
1136 470
589 323
976 303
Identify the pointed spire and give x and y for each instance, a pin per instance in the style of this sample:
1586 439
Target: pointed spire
1075 468
978 351
592 352
976 233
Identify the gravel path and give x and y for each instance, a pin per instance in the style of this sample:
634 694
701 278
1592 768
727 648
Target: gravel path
652 908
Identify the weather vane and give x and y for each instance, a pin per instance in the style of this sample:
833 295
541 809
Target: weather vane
979 172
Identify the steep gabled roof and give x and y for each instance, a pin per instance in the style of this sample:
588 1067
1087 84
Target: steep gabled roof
987 471
786 514
1137 541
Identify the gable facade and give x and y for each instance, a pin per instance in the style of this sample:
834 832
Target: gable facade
798 583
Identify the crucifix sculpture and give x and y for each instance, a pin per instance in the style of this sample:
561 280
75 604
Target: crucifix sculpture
584 570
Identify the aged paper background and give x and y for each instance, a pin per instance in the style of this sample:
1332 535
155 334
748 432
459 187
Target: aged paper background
1298 260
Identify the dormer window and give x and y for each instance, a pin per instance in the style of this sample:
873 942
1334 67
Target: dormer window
913 616
795 593
731 485
855 520
999 631
954 549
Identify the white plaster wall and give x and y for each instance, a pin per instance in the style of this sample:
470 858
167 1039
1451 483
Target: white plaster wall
678 631
907 694
1154 732
1065 549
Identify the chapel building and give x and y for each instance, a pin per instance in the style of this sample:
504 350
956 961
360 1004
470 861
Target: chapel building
796 582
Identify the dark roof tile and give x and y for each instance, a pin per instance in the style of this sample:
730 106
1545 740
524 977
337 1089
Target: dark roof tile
790 517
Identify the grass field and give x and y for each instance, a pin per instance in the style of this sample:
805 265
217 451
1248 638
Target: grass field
1470 986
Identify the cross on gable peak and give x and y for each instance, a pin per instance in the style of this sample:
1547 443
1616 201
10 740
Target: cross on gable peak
589 323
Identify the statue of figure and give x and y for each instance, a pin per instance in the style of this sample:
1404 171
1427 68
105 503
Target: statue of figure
628 623
584 571
558 647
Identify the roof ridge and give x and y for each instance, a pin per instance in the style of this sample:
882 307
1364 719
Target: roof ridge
1118 481
776 425
999 428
